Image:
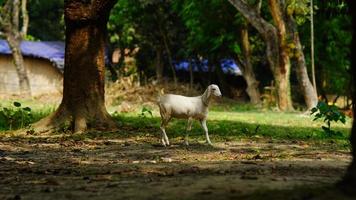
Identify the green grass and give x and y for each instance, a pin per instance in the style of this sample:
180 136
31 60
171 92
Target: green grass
273 125
225 122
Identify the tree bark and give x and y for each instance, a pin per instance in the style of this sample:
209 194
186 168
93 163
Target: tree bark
24 82
247 69
82 106
348 184
309 92
10 26
276 51
282 74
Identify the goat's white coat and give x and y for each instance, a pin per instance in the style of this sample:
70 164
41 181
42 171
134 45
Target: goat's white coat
178 106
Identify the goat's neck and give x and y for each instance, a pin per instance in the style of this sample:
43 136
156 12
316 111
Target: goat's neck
206 97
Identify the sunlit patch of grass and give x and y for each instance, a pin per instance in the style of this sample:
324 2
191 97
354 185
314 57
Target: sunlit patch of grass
223 126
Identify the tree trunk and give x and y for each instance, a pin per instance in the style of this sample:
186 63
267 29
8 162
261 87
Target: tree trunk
282 73
24 82
10 24
276 49
82 106
247 69
348 184
309 92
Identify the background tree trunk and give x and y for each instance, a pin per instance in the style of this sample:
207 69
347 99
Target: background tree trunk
10 24
248 74
24 82
82 106
309 92
276 49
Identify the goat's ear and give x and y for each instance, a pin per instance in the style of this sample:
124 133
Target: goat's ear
209 91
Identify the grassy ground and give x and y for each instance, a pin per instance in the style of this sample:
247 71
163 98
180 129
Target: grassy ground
257 154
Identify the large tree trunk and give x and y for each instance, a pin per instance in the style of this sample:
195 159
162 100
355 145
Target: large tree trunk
247 69
349 181
276 50
282 74
82 106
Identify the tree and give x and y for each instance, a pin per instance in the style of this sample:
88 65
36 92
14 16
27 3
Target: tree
53 20
349 181
82 106
331 47
247 69
149 25
15 30
213 33
278 38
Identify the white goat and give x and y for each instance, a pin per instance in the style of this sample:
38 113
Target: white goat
177 106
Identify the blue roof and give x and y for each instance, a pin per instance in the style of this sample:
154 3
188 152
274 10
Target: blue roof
228 66
52 51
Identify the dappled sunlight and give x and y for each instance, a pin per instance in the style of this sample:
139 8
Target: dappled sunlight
99 162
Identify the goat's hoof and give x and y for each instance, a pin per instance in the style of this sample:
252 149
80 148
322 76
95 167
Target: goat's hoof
186 143
209 143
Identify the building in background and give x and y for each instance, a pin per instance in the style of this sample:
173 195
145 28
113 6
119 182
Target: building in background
44 62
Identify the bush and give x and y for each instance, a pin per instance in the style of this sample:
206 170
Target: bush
15 116
330 113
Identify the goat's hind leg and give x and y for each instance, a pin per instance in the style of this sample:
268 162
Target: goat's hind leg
189 127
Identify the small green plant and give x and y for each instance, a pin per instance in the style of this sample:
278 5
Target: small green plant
15 116
329 113
145 111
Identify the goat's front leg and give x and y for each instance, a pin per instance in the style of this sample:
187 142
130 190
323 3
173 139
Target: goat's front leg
189 127
164 138
203 124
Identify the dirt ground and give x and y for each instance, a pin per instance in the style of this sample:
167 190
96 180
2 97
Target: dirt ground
65 167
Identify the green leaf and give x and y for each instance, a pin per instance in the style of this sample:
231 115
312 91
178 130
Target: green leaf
17 104
27 109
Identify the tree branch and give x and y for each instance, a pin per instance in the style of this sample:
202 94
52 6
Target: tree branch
15 14
253 17
258 7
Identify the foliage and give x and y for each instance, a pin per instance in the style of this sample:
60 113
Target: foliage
213 27
145 111
46 19
332 41
299 9
15 117
329 113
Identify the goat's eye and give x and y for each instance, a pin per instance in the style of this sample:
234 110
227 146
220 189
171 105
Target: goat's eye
213 89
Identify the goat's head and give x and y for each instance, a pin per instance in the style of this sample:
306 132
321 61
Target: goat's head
214 90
